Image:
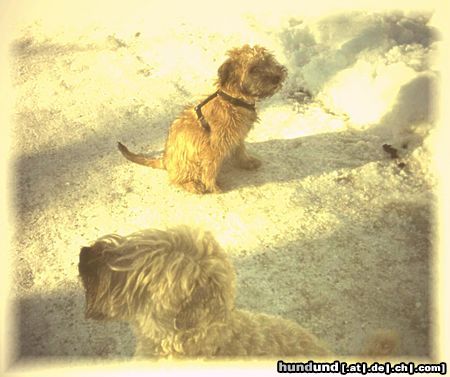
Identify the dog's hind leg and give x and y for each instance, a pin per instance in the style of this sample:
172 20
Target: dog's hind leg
381 343
210 171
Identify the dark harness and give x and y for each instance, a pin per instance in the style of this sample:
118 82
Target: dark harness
225 96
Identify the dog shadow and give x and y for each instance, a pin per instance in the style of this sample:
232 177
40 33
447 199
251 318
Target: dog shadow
44 177
295 159
53 326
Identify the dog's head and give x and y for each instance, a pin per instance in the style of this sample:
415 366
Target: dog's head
177 279
252 72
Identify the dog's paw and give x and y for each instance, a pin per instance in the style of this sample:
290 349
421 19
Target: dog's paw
201 188
215 190
251 163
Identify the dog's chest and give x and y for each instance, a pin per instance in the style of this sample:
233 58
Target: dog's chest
235 122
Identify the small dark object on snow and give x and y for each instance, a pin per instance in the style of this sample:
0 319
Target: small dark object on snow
401 165
301 95
391 150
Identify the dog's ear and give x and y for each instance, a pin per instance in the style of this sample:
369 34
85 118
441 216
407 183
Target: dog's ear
224 71
190 314
84 253
205 306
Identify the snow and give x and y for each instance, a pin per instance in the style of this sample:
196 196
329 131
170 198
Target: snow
330 232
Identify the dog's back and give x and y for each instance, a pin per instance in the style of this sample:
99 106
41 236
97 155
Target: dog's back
262 335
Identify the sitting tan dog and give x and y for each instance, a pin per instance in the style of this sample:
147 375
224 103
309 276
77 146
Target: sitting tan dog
177 288
204 135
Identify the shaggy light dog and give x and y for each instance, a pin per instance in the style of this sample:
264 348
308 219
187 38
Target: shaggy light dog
205 135
177 289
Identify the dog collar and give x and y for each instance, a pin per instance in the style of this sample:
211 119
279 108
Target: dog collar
236 101
225 96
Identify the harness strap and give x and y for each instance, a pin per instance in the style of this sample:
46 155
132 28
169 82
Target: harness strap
225 96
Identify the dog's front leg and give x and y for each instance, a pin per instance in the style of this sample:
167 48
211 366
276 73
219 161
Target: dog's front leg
210 171
244 160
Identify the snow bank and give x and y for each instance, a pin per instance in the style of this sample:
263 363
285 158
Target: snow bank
373 68
376 69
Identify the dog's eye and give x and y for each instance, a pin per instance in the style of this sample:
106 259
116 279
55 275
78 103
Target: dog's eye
274 79
253 70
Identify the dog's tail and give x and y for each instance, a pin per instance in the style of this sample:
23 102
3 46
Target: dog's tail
381 343
140 159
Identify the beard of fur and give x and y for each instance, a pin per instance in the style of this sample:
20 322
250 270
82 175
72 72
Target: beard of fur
260 86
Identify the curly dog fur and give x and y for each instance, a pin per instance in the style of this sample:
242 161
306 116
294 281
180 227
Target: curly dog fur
194 153
177 289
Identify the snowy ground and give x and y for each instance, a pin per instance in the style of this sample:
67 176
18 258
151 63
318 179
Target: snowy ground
330 232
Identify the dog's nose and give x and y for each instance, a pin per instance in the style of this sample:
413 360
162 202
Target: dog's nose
275 79
84 253
86 259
